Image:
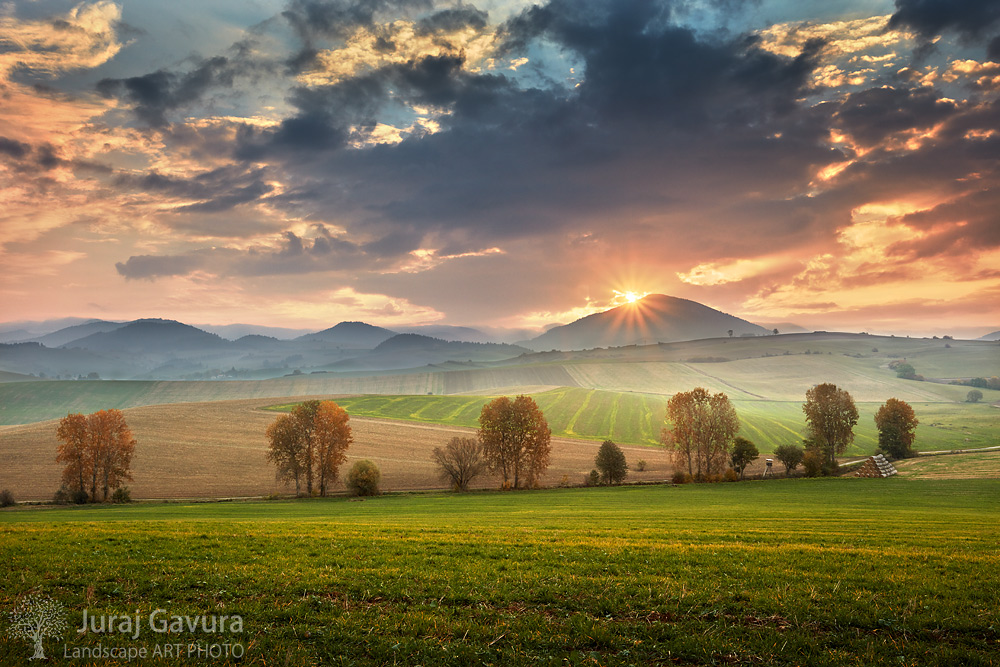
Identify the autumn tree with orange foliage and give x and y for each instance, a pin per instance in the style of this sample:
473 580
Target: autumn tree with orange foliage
702 428
516 440
310 444
332 436
97 450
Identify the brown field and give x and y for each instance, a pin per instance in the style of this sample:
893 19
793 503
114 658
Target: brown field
217 450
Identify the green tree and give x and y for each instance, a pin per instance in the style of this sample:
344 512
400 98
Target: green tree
610 462
896 423
744 453
701 428
364 478
906 371
974 396
790 457
460 462
831 416
516 439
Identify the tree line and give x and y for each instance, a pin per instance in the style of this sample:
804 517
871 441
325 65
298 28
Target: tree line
309 445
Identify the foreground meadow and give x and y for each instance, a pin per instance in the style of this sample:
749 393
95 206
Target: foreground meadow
819 572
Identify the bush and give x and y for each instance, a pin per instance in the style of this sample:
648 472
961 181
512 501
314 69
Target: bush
812 463
61 496
640 465
593 479
681 477
363 479
121 495
790 457
974 396
730 476
7 498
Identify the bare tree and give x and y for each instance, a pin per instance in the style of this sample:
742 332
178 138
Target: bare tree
460 462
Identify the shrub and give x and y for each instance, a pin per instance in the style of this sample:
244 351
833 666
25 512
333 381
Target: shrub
61 496
640 465
593 479
681 477
363 479
790 457
121 495
7 498
610 462
974 396
730 476
812 463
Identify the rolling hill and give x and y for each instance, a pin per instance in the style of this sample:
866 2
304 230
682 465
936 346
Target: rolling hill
655 318
76 332
356 335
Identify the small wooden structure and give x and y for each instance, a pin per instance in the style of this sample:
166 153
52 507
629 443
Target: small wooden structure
876 466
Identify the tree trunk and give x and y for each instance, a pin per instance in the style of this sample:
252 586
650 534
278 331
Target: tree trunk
39 649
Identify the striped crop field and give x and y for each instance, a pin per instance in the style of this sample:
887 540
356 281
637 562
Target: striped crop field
637 419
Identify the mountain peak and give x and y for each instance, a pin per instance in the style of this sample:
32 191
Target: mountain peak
652 319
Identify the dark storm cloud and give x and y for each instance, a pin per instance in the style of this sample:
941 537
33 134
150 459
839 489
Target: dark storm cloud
453 20
294 254
148 267
209 192
929 18
13 148
153 95
874 114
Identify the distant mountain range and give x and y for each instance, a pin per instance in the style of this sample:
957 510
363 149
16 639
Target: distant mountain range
166 349
991 336
657 318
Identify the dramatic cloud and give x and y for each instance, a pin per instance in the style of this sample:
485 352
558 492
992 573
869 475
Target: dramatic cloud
503 168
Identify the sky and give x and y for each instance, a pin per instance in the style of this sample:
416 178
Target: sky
298 163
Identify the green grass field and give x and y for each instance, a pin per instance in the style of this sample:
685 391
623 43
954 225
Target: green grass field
817 572
632 418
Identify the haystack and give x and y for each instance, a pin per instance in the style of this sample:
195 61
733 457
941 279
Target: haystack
876 466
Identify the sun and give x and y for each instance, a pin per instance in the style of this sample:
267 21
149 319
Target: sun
628 297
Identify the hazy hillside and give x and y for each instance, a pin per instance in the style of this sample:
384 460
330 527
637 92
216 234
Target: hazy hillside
150 336
656 318
449 333
76 332
350 334
991 336
414 350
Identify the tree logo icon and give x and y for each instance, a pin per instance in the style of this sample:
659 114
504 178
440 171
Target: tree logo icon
36 617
